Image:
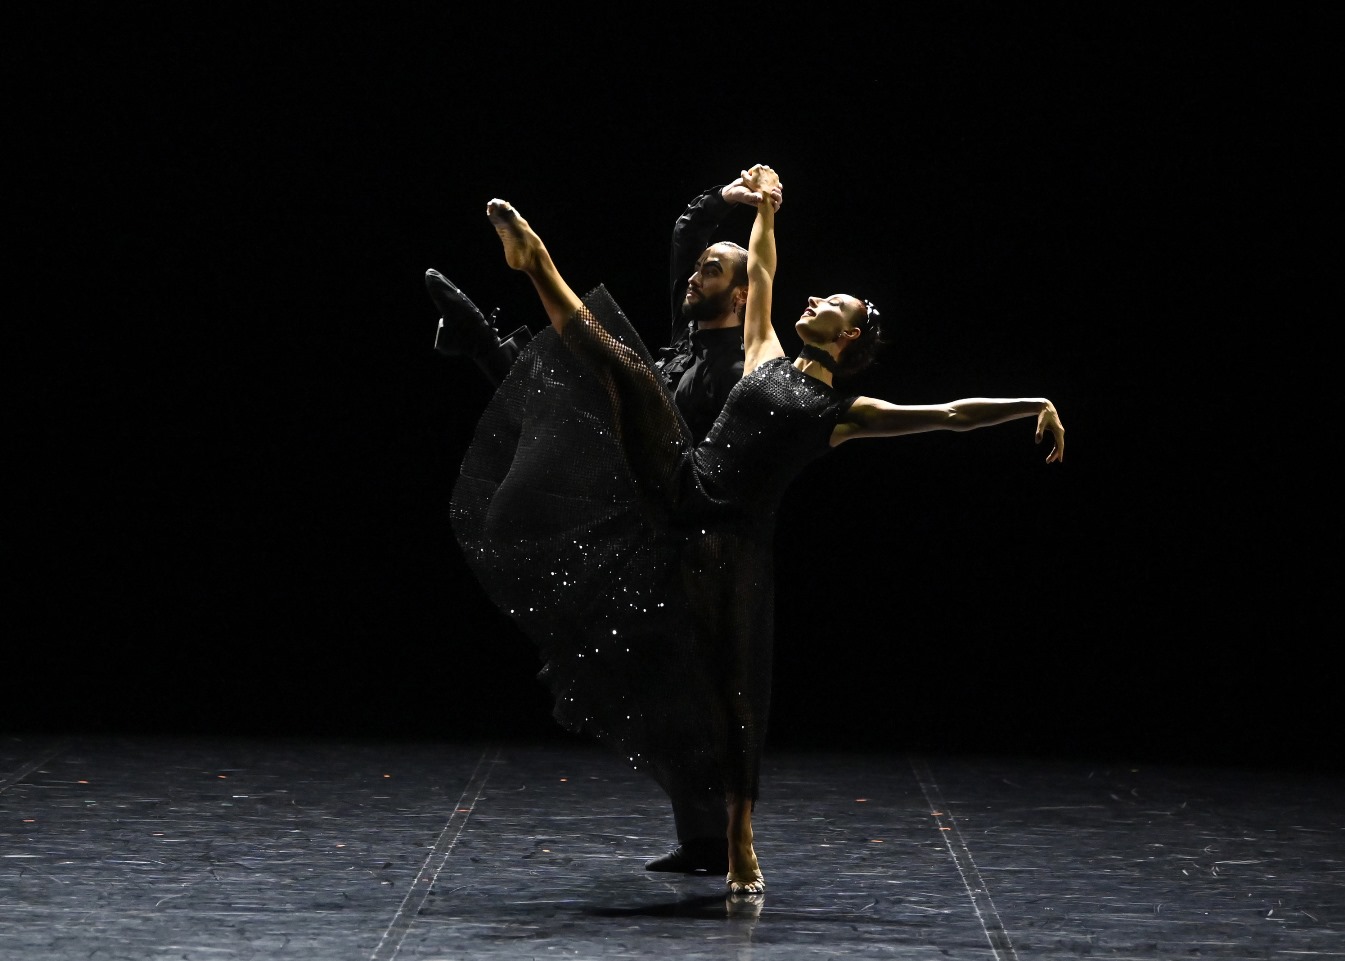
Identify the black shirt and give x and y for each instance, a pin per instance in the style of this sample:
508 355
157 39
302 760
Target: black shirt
715 365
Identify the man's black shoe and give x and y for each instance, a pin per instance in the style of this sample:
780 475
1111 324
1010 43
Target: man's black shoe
463 329
695 856
464 332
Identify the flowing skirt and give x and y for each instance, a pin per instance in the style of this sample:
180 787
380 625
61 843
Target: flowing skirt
579 509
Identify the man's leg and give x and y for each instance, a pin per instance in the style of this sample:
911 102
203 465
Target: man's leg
465 332
701 821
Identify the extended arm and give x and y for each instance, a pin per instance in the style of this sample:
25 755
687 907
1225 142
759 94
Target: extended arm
760 342
870 417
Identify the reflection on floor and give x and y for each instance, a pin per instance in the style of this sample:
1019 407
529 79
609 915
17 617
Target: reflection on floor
146 848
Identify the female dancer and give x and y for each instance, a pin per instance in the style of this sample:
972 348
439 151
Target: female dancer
640 562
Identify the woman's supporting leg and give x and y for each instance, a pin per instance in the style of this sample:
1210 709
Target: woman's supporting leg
734 630
744 875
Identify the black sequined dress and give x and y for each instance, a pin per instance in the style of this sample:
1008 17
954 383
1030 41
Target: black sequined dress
639 562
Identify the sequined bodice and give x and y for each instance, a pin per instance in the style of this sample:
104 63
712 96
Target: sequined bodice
776 420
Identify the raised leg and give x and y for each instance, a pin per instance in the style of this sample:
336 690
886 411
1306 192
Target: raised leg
464 331
644 418
702 826
524 251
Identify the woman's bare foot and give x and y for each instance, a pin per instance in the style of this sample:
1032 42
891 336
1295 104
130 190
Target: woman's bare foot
523 249
744 875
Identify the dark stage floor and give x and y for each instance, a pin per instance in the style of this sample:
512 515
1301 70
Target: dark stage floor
144 848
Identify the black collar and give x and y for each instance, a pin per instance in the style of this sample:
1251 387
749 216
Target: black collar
809 352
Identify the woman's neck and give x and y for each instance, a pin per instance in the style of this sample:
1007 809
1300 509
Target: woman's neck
816 362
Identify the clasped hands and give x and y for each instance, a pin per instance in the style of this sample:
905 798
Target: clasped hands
753 184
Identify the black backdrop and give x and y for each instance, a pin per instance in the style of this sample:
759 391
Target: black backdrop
234 446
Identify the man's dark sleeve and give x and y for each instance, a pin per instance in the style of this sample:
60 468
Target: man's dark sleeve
691 234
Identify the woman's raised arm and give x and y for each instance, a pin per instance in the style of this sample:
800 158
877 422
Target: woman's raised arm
760 342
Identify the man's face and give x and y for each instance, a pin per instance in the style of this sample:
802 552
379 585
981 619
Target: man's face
710 294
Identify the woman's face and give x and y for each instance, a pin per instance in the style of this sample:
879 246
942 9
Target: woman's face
827 318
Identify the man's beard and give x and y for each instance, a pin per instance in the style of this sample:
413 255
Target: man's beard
708 308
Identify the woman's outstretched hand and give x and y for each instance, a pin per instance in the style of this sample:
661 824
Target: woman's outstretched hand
1048 419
